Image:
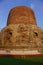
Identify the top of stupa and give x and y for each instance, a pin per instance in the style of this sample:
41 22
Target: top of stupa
21 14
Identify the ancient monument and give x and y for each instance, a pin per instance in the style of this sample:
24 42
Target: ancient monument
21 35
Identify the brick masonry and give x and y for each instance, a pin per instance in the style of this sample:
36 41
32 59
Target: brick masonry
21 14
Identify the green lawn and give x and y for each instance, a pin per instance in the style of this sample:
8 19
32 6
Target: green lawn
33 60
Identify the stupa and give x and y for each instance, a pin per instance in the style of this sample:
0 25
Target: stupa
21 36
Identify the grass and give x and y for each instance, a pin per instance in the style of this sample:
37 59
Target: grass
33 60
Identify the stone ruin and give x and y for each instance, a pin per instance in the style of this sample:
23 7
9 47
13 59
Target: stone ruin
21 32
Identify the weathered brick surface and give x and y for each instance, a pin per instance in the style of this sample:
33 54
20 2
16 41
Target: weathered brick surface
21 14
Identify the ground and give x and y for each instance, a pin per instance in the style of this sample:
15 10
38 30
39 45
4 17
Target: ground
33 60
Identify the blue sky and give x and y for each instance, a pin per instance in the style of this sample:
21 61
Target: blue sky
6 5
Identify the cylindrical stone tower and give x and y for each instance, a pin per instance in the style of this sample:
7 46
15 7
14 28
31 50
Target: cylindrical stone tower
21 14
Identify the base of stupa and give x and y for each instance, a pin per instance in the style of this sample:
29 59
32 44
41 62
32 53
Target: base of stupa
20 53
21 40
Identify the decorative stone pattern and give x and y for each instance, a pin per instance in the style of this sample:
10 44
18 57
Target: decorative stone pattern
21 14
22 36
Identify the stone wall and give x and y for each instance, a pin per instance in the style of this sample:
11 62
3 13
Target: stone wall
21 36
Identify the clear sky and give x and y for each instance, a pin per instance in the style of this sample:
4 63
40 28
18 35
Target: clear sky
6 5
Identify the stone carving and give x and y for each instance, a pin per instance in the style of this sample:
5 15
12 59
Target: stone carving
22 36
